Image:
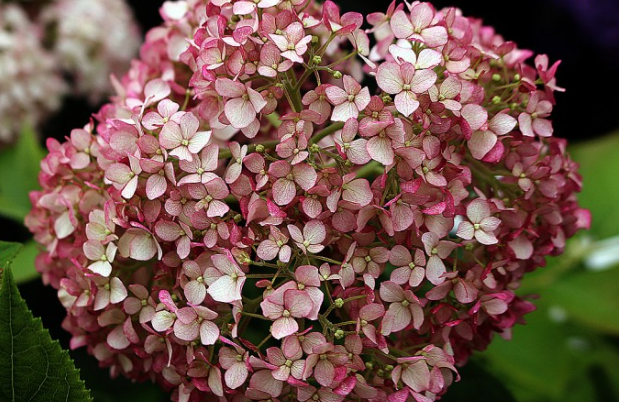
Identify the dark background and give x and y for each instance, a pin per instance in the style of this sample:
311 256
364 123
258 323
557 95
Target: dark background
584 34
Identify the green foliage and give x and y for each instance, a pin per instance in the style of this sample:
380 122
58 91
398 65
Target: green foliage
23 265
19 169
599 165
32 366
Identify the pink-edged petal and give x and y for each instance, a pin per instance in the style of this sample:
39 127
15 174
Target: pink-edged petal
284 191
401 25
465 230
209 333
283 327
224 290
481 142
389 79
406 102
380 150
236 375
239 112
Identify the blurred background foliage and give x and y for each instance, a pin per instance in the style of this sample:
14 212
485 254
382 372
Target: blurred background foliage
569 348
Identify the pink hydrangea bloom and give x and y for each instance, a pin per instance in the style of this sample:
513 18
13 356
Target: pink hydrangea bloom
368 242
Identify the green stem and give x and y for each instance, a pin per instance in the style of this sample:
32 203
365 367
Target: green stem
252 315
224 153
326 131
326 259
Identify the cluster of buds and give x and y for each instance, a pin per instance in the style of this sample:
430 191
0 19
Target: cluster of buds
83 40
246 221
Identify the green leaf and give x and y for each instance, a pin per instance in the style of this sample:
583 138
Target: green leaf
32 366
538 362
8 252
19 170
590 297
599 164
23 265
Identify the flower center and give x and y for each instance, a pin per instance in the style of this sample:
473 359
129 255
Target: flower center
286 313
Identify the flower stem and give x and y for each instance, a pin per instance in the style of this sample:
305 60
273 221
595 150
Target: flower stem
326 131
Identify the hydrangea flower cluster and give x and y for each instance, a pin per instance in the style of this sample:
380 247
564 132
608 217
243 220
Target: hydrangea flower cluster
30 87
92 39
261 215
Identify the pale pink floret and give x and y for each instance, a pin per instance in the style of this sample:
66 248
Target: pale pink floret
110 291
196 321
404 308
175 232
138 244
102 256
405 83
533 121
288 359
201 167
292 43
276 245
354 149
244 7
283 308
125 178
284 189
142 303
483 143
409 269
235 364
317 101
225 281
420 25
480 225
314 233
167 110
271 61
367 314
242 104
348 101
437 250
210 196
184 139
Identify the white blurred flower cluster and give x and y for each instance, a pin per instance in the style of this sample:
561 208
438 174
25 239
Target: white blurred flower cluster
30 86
68 46
92 40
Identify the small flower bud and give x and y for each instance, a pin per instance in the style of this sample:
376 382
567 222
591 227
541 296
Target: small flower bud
315 39
496 100
339 334
315 148
496 77
317 60
337 75
260 148
339 302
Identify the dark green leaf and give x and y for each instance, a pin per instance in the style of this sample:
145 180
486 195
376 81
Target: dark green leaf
538 363
19 169
599 164
32 366
23 265
592 298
